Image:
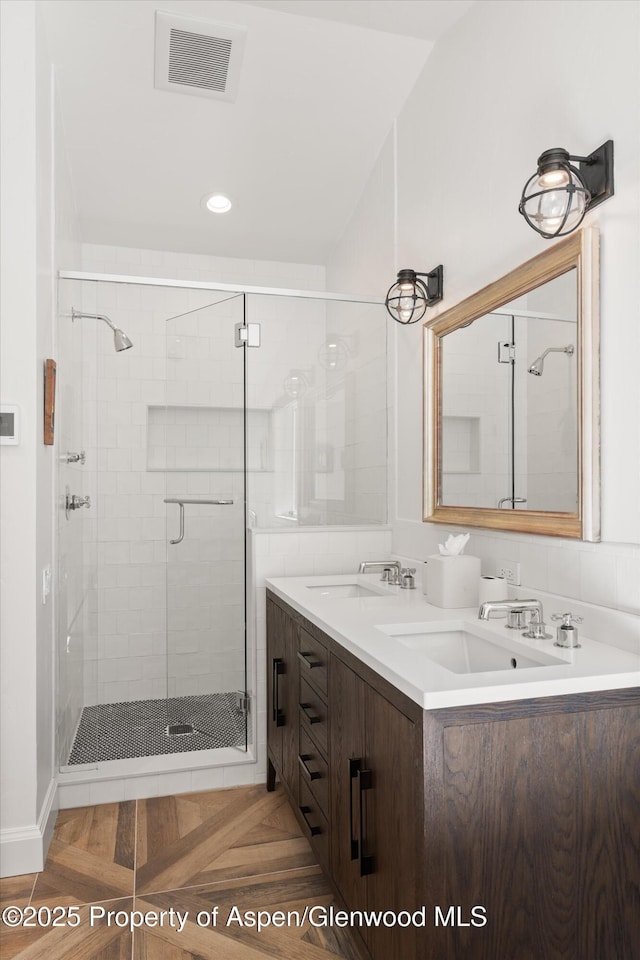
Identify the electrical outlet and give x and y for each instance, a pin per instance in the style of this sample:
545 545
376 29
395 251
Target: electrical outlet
510 570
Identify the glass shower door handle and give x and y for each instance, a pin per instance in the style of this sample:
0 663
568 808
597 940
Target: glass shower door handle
181 502
181 534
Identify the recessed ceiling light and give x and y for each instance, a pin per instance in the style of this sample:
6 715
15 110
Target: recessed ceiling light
217 203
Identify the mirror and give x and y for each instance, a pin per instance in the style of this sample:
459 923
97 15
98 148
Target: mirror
511 397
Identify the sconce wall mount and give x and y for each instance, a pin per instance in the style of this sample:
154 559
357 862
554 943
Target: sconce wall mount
408 298
556 198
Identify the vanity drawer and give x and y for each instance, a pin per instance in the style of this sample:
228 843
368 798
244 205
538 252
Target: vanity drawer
313 715
316 827
313 661
314 771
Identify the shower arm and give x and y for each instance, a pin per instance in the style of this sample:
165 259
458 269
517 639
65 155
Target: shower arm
79 315
538 364
568 349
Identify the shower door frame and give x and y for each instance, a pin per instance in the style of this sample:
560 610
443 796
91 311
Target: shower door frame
219 287
193 759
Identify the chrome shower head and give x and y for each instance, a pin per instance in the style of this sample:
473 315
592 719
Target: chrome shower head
537 366
120 340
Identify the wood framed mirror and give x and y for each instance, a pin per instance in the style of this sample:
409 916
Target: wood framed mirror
511 390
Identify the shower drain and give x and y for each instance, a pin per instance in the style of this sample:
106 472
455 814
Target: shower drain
180 730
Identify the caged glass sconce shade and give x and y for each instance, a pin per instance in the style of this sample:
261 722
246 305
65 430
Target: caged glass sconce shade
556 198
408 298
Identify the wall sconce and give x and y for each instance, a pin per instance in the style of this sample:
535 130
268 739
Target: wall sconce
556 198
296 383
408 298
334 353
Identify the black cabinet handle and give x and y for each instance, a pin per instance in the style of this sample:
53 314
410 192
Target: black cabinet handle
278 668
314 831
365 782
309 774
307 659
354 846
311 717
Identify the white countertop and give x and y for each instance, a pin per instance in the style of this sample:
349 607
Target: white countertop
355 623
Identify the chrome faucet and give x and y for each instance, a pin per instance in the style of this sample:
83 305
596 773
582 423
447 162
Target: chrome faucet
390 569
515 610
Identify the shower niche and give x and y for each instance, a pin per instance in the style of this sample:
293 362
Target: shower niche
203 438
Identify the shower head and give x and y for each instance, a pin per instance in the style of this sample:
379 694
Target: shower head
537 366
120 340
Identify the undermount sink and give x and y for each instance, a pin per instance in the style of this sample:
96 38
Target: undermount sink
337 591
460 650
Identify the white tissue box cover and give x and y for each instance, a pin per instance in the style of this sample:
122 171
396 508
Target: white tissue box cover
452 582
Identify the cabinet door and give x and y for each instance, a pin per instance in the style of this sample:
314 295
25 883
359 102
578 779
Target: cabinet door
347 753
375 757
392 834
282 695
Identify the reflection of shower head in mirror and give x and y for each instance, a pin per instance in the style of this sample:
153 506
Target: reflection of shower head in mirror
537 366
120 339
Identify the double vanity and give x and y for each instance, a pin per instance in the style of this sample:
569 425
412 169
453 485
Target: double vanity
449 769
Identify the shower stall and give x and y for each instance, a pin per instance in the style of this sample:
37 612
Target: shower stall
510 412
210 410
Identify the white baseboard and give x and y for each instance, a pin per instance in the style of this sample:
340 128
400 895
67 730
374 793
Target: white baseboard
24 849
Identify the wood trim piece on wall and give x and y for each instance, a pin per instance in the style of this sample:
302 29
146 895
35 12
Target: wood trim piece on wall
49 401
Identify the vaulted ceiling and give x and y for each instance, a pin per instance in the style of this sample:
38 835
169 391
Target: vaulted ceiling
320 84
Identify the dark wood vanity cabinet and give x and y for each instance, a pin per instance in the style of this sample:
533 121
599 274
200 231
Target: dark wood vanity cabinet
297 721
514 827
375 816
282 696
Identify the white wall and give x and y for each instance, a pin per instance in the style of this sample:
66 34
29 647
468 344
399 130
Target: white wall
486 105
30 231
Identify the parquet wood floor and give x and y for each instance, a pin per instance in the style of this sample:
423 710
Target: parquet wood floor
195 854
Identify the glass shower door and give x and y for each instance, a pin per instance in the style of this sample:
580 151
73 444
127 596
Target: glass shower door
198 438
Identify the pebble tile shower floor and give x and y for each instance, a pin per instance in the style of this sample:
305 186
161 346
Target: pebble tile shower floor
138 728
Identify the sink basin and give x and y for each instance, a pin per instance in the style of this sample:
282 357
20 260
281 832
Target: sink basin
336 591
460 650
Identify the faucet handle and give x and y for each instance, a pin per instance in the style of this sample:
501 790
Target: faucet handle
407 581
567 618
537 628
567 635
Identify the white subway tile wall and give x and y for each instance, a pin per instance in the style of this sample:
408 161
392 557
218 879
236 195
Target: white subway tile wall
600 574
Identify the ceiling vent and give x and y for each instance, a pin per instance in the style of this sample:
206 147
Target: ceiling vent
198 57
